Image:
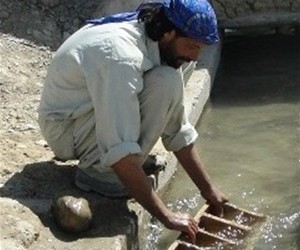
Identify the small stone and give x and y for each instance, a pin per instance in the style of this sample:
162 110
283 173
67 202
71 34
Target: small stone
20 145
72 214
27 127
42 143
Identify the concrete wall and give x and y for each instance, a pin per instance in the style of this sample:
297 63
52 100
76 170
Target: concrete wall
50 22
249 13
108 7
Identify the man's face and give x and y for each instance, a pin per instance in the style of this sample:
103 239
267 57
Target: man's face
176 50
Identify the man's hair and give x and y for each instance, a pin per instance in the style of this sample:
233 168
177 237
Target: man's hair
156 22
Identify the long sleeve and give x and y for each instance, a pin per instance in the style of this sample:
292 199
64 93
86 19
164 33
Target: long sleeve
179 132
114 87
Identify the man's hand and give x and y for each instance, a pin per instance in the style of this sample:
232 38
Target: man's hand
189 159
134 179
184 223
216 199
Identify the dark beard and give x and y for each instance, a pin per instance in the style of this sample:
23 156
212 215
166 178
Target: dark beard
174 62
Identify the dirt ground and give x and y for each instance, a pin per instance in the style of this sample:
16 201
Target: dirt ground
24 157
29 177
23 67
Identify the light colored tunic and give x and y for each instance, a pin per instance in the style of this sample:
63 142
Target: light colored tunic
106 95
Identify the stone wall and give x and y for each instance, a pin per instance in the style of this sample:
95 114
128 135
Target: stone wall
50 22
251 13
47 22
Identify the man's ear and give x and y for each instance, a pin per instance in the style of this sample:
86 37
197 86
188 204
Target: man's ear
168 36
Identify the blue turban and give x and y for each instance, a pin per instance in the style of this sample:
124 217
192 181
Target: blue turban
194 18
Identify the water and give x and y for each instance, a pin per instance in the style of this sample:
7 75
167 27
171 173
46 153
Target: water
249 140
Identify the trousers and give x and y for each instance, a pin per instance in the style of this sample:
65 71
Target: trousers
159 101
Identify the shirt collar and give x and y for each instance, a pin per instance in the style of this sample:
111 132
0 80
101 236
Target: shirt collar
153 51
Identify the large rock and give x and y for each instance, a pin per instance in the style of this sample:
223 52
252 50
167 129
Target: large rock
72 214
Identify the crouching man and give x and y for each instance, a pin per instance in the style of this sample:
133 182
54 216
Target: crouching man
115 87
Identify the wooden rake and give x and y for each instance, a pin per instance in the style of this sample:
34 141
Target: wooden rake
214 231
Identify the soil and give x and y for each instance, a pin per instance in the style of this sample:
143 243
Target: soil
25 158
30 179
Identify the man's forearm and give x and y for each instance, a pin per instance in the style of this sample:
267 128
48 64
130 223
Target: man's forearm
189 159
132 176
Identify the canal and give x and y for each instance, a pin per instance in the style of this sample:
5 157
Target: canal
249 139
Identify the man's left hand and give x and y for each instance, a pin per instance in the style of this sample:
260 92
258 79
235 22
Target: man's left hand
216 199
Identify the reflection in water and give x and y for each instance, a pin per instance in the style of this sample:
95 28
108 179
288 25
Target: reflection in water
249 140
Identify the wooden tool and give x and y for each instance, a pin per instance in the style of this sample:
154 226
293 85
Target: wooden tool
214 231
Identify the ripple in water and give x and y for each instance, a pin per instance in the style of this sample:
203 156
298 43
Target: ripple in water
277 227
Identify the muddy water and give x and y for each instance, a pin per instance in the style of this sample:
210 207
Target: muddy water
249 140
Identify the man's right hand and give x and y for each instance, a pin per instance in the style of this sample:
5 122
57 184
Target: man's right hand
133 177
183 223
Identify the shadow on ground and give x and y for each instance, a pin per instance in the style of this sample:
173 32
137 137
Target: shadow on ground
38 184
